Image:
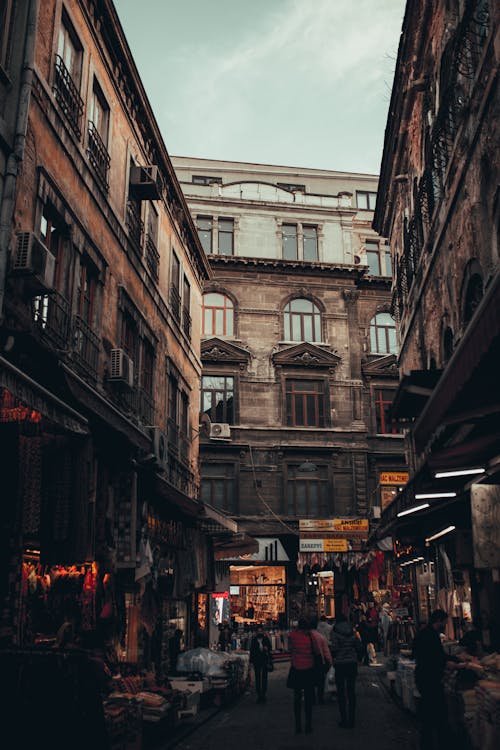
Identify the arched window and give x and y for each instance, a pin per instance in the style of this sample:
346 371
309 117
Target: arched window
302 321
218 315
383 334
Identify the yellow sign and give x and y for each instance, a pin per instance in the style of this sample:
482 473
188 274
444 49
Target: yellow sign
394 477
350 524
316 524
323 545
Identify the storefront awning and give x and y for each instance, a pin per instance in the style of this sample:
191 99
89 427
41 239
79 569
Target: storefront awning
37 397
228 546
212 520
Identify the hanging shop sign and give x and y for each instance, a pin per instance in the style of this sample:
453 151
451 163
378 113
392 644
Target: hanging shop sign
323 545
333 524
387 495
394 477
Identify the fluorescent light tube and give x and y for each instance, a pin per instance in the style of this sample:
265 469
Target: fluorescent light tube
413 510
425 495
440 533
458 473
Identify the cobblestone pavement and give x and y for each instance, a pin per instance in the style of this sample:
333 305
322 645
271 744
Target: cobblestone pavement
246 725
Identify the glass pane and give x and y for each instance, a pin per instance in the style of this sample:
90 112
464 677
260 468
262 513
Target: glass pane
296 331
213 299
317 328
384 319
291 499
308 329
287 332
206 240
299 411
372 197
218 486
313 499
373 261
362 200
207 322
307 385
219 322
310 249
206 402
219 407
393 346
205 492
225 243
388 264
373 338
312 418
229 322
302 305
290 248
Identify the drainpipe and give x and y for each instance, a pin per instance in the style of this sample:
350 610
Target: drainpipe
17 154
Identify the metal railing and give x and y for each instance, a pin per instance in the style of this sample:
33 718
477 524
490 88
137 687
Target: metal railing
172 436
135 225
98 154
152 256
186 321
85 346
50 315
146 406
68 96
175 302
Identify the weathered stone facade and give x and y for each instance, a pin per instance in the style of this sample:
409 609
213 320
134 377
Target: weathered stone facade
261 484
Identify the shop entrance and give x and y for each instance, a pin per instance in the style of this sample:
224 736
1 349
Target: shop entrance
258 594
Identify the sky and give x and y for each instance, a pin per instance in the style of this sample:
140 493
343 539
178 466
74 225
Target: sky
302 83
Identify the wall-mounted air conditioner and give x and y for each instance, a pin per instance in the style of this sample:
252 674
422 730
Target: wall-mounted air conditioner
34 262
159 446
122 368
145 182
220 430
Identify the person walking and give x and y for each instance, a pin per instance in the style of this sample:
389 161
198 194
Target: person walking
430 664
324 627
301 677
347 649
322 665
260 658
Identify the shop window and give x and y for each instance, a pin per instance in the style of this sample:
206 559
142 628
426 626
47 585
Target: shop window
218 486
383 334
307 494
383 399
218 315
204 226
302 321
305 403
217 397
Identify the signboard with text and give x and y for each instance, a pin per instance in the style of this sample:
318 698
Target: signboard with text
394 477
323 545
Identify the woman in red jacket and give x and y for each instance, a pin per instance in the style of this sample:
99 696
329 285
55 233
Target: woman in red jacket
301 679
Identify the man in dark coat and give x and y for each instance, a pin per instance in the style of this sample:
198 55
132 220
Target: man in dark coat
346 649
431 662
260 657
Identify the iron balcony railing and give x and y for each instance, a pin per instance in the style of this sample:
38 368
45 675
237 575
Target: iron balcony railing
175 302
146 406
135 225
152 256
186 321
85 346
172 436
68 96
50 315
98 155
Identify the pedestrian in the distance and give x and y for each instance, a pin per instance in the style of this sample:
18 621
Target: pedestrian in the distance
347 650
302 674
430 664
260 658
323 664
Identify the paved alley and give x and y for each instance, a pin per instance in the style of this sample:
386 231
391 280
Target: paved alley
246 725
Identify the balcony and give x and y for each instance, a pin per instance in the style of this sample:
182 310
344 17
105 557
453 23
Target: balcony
135 226
152 256
50 315
68 96
182 478
85 347
186 321
172 437
184 448
98 155
175 303
145 404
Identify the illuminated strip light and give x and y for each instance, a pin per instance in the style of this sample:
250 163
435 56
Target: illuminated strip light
425 495
440 533
413 510
458 473
411 562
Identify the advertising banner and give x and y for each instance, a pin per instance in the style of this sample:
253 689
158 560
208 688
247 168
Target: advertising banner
323 545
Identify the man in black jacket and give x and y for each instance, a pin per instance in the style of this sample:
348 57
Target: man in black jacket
260 657
431 662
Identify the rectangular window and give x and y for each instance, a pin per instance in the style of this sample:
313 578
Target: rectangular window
226 236
98 134
204 227
305 403
289 241
200 179
388 262
373 258
87 283
310 243
186 306
175 295
99 112
130 337
383 403
291 186
307 493
5 32
69 50
218 486
53 233
67 75
217 397
148 364
366 200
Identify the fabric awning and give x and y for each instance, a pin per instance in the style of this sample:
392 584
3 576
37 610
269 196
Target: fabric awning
39 398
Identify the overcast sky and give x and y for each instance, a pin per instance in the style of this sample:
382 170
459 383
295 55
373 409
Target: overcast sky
287 82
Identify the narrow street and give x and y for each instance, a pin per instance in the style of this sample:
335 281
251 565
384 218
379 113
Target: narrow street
246 725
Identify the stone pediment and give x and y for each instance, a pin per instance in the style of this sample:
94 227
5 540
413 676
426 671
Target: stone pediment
305 355
381 367
218 350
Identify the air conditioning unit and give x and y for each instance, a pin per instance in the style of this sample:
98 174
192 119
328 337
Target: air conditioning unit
159 446
122 368
220 430
32 260
146 182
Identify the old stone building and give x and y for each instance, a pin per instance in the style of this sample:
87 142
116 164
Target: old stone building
100 363
439 206
298 351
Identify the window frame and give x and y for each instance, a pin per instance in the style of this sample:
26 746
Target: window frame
320 479
225 308
285 236
212 410
228 477
223 234
308 239
293 395
374 327
316 321
380 405
371 200
204 231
